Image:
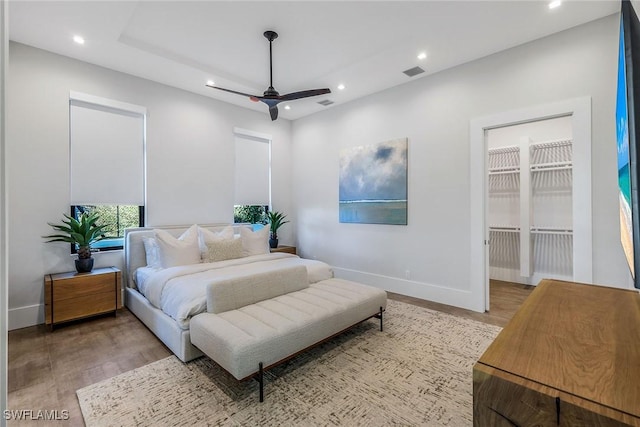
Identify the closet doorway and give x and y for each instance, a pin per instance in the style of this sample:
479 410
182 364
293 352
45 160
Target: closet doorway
566 231
530 201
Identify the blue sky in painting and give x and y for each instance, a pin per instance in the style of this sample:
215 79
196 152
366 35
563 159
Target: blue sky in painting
374 172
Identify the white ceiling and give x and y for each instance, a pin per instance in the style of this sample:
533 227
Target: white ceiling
364 45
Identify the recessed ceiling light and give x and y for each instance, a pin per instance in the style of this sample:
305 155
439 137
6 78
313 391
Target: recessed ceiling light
341 86
78 39
555 4
287 107
422 55
210 83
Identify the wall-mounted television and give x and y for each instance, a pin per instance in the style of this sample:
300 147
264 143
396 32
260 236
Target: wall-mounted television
627 118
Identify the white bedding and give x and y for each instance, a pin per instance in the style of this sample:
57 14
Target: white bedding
181 292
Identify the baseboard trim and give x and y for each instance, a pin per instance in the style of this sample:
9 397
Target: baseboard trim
449 296
23 317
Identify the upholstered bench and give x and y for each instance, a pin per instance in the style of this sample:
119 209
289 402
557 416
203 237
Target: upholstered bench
254 323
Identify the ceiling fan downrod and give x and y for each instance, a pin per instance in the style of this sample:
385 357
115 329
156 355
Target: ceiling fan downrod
271 36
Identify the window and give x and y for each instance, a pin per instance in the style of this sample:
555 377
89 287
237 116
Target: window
107 164
252 177
252 214
117 218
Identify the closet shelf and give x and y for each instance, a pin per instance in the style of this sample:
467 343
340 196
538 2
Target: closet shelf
541 167
504 150
504 228
552 230
503 171
552 144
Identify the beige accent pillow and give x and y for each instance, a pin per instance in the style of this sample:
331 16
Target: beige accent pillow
255 242
184 250
207 237
223 250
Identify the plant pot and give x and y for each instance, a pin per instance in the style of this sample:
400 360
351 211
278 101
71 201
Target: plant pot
273 243
84 265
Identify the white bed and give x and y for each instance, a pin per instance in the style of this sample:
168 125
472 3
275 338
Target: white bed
188 284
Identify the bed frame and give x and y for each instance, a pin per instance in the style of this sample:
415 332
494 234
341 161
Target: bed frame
163 326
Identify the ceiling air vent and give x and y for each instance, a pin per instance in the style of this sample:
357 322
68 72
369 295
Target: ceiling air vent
325 102
413 71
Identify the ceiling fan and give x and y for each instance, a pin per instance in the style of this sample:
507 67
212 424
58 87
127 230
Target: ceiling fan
271 97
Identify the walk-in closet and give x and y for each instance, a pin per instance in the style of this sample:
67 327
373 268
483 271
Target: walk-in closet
530 206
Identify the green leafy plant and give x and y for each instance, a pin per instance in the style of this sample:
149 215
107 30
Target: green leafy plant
81 232
276 220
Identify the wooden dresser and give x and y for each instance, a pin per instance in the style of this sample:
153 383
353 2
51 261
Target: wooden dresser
569 357
71 296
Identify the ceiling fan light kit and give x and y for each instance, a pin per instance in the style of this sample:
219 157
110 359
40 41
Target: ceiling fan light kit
271 97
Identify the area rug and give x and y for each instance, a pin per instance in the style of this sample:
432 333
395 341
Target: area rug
417 372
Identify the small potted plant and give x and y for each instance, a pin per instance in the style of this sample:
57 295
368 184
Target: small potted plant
81 233
276 220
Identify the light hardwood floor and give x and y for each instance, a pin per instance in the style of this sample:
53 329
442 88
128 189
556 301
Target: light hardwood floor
46 368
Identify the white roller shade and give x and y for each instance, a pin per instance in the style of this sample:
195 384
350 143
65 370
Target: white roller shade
107 155
252 180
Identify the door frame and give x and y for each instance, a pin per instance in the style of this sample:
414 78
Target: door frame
580 111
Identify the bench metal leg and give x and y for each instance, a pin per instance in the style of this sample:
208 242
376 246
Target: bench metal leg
379 316
261 381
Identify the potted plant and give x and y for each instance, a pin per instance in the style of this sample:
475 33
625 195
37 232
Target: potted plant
276 220
81 233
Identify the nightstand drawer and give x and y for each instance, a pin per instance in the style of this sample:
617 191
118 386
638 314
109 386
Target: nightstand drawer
83 306
86 285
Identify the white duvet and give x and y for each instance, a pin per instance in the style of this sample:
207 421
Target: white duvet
181 292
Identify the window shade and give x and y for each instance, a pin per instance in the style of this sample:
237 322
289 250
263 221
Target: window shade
107 155
252 180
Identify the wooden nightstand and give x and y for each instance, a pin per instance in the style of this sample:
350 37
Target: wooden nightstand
71 296
287 249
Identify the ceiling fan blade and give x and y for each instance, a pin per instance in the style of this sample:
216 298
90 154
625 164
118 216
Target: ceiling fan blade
273 111
254 98
304 94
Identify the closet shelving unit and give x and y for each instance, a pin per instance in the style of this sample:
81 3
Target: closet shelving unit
530 211
551 229
504 206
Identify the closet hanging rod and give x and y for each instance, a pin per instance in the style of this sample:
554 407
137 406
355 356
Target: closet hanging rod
551 167
503 171
541 230
501 150
512 229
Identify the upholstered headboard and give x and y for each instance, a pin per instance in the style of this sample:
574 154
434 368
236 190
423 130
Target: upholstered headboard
134 254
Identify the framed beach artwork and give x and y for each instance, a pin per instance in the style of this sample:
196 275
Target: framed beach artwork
373 183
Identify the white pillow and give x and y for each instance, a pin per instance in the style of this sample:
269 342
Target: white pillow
223 250
152 252
184 250
207 237
254 242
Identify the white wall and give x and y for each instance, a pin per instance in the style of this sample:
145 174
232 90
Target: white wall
434 113
190 162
